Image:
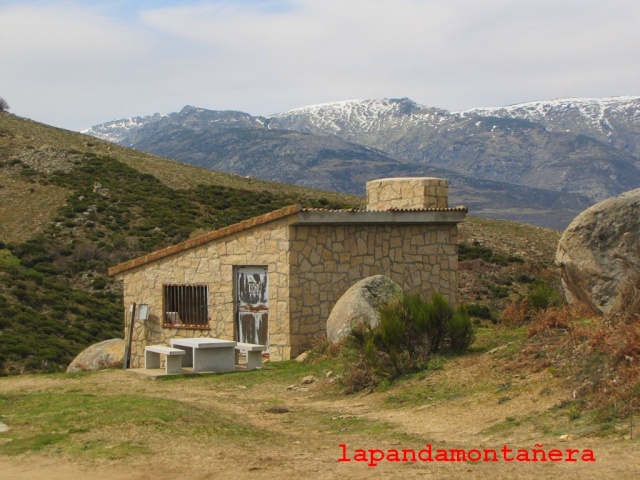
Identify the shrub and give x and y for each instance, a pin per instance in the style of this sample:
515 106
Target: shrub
409 331
479 311
438 318
460 330
542 297
477 250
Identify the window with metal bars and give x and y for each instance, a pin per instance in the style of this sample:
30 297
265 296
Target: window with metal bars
186 305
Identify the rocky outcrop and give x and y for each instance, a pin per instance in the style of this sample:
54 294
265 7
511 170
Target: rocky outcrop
599 253
360 304
103 355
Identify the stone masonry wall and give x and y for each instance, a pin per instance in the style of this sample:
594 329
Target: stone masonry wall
407 193
213 264
328 259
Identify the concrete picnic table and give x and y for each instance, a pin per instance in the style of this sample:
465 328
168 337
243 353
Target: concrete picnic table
207 354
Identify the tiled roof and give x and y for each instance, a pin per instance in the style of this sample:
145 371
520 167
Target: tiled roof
448 209
207 237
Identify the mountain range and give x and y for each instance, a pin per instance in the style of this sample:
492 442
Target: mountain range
539 162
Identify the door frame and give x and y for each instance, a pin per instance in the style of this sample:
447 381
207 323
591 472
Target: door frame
236 300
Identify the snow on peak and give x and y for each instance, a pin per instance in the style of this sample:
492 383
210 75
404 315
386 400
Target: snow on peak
354 115
117 131
587 107
593 116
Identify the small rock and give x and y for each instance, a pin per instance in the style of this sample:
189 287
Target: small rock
302 357
565 437
292 387
4 428
342 417
328 374
497 349
309 379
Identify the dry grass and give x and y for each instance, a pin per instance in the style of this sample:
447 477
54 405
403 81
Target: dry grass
26 209
534 244
599 357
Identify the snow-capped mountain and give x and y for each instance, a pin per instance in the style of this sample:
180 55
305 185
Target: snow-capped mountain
578 151
615 120
130 131
355 117
119 131
513 150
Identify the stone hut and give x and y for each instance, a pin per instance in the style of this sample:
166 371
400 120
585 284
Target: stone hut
273 279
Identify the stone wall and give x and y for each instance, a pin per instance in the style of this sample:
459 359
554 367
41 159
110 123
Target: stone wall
213 264
407 193
328 259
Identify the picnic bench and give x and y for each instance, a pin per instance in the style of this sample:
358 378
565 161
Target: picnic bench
173 361
207 354
253 352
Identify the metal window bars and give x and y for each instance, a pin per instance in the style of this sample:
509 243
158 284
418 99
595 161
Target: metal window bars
186 305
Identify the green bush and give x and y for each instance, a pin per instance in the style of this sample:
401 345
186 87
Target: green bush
438 317
542 297
409 331
479 311
460 330
477 250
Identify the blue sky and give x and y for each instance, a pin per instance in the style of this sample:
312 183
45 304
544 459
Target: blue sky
74 64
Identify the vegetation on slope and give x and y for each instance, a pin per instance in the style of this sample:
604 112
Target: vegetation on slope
55 295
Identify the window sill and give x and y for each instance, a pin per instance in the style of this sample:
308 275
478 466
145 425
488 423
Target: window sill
186 327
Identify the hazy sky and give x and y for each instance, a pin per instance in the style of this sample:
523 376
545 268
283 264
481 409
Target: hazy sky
74 64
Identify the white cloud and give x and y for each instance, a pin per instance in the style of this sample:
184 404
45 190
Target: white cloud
268 56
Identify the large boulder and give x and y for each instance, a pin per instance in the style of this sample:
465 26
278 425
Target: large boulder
598 253
100 356
361 304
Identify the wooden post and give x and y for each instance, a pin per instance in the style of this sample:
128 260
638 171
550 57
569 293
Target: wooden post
127 347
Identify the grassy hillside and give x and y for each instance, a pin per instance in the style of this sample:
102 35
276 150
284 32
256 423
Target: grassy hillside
72 205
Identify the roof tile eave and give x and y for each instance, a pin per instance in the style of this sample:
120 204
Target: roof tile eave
203 239
459 208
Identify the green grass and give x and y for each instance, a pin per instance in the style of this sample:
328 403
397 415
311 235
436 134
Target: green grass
490 338
503 426
8 261
84 423
415 391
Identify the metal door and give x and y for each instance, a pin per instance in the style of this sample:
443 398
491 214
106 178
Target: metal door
253 305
